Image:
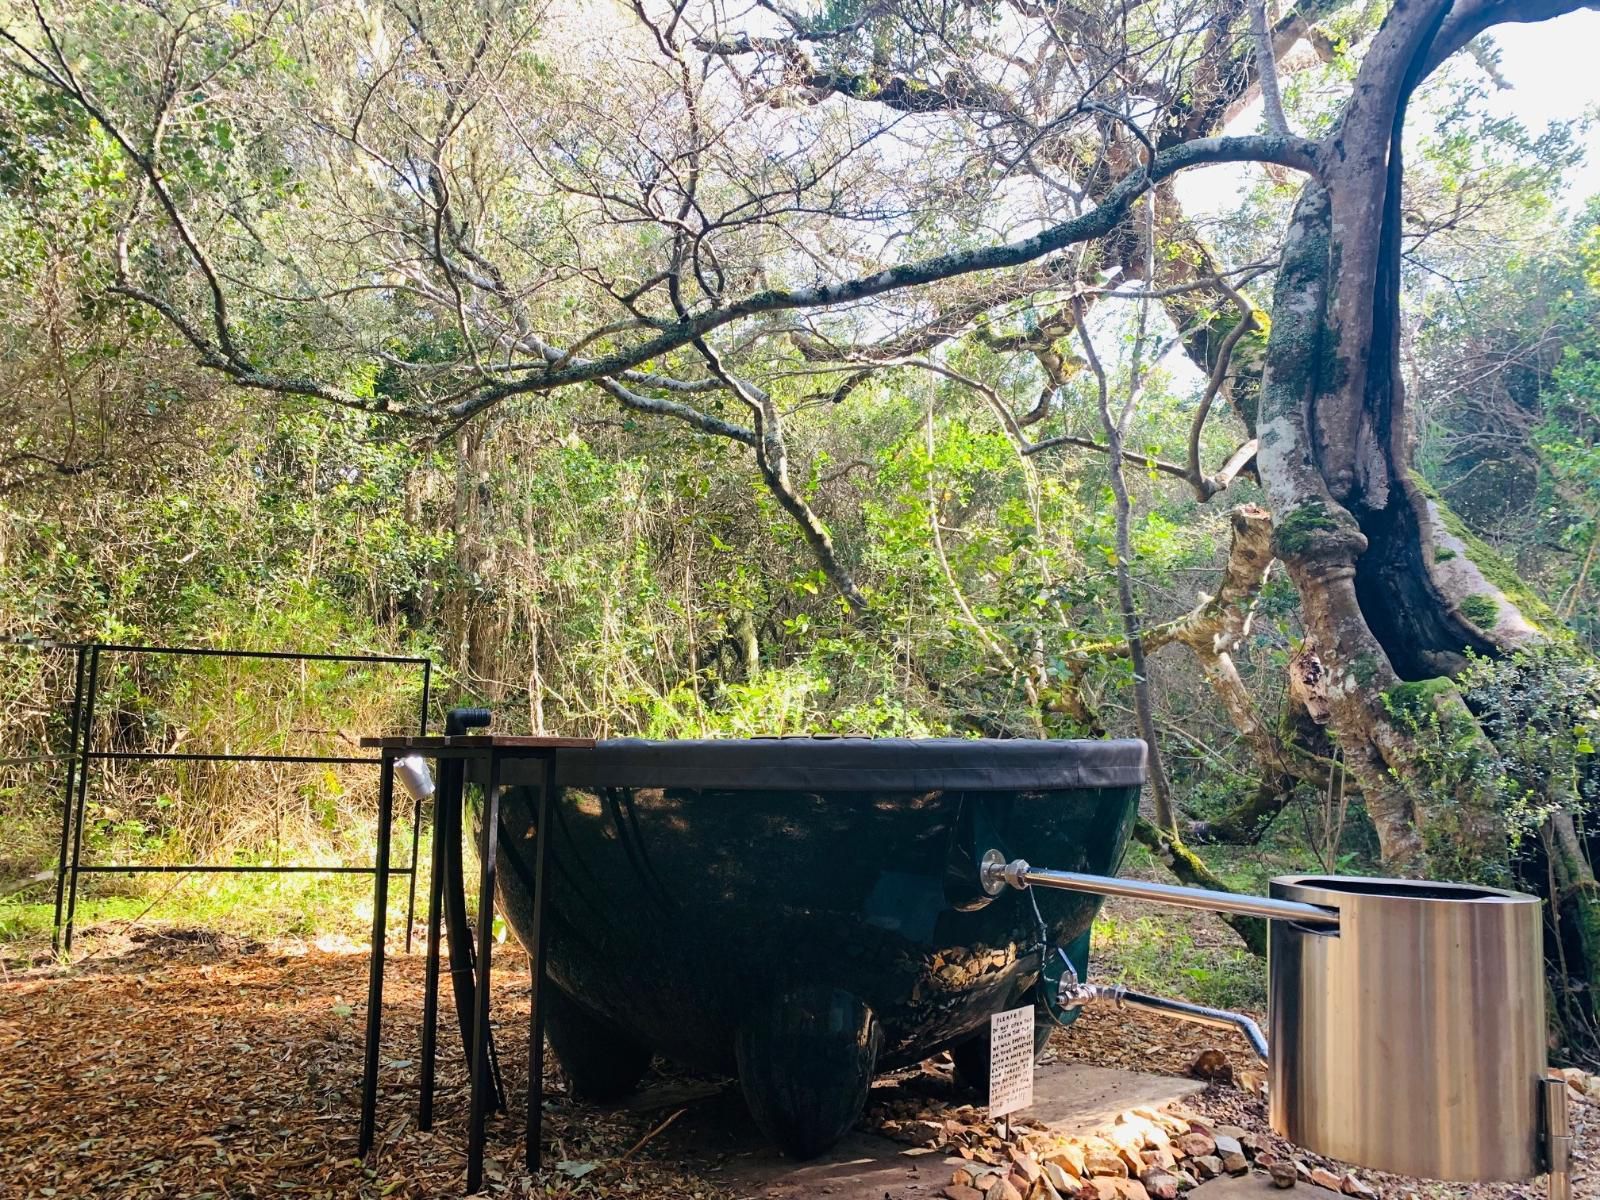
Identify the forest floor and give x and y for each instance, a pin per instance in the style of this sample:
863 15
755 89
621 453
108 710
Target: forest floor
174 1063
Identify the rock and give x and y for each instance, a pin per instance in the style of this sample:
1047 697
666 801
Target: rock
1254 1144
1060 1178
1026 1165
1043 1189
1159 1184
1172 1123
1105 1188
1185 1180
1100 1157
1303 1171
1351 1186
1212 1066
1070 1159
1235 1163
1254 1082
1237 1133
1226 1144
1194 1144
1283 1174
1323 1177
1207 1166
1129 1189
1160 1156
960 1191
918 1133
962 1177
1006 1190
1158 1136
1129 1138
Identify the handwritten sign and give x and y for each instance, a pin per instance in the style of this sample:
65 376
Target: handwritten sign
1010 1061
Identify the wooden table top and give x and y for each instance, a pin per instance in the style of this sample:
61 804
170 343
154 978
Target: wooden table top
475 741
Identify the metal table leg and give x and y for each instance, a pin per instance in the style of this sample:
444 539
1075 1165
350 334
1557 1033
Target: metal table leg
451 822
536 955
430 987
380 904
488 848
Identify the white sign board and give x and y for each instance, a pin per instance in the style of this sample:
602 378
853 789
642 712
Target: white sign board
1010 1061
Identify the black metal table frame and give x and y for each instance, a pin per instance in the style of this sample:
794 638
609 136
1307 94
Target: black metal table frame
450 793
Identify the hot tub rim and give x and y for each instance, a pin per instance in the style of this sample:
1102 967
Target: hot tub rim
884 765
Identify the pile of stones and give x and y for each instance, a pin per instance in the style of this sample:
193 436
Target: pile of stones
1146 1154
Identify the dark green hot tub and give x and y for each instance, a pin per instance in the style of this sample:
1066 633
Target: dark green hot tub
800 912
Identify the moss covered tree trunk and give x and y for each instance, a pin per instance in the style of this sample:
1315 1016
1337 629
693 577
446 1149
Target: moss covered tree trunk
1397 595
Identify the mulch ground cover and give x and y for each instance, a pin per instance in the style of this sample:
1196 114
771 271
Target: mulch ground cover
195 1066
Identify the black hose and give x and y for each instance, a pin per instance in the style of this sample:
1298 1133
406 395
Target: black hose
463 966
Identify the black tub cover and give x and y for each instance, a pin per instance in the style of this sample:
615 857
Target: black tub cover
856 764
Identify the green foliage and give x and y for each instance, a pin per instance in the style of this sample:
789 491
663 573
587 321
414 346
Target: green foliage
1161 955
1295 532
1451 771
1528 332
589 568
1481 610
1541 707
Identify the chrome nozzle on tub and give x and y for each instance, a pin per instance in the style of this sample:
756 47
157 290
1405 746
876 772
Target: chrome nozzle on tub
996 874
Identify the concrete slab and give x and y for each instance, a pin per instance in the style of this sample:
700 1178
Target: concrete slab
1253 1186
717 1135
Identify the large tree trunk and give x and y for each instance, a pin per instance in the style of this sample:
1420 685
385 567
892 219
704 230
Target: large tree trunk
1396 595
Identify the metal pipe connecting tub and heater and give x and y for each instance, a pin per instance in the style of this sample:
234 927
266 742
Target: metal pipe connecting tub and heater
1405 1019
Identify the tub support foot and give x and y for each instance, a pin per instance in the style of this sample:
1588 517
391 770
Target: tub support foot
602 1064
806 1060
